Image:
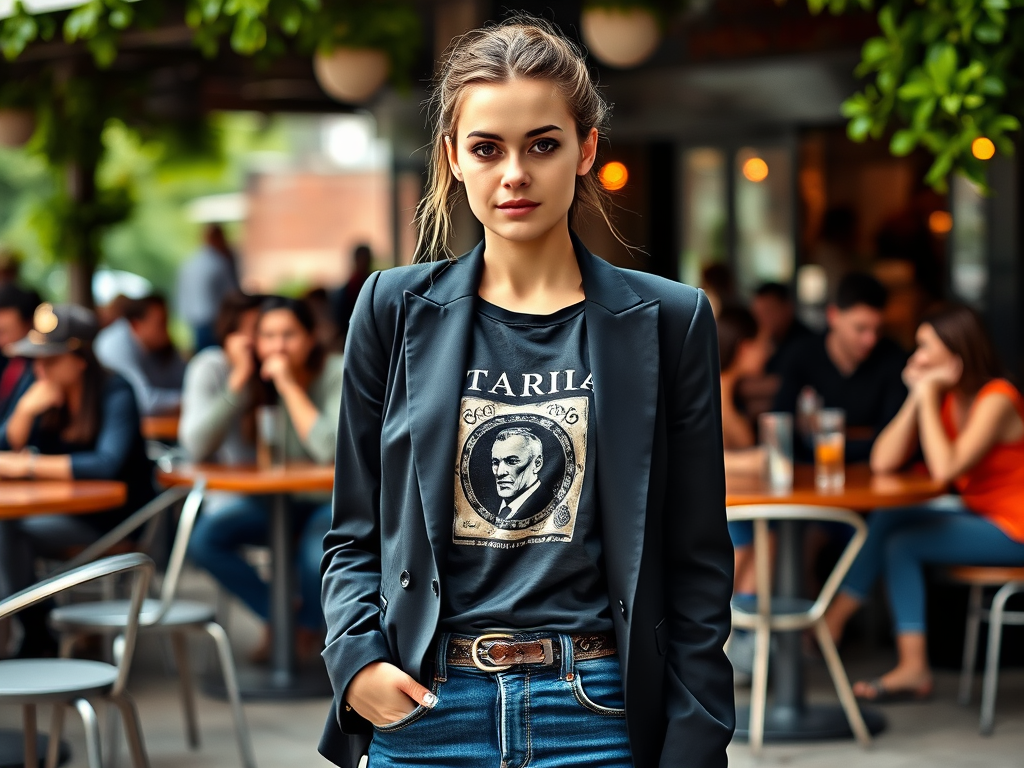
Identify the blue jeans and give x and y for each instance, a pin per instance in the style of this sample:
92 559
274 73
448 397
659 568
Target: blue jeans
902 541
219 535
543 717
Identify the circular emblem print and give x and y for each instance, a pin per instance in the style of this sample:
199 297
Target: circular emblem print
516 470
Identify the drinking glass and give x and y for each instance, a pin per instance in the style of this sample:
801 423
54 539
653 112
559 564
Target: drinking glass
830 450
777 438
269 436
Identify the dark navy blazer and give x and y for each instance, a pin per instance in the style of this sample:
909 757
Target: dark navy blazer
661 485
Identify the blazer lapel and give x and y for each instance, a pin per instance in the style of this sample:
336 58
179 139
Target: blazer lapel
624 358
439 328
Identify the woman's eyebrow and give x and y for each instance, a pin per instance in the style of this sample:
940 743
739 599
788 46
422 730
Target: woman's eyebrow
496 137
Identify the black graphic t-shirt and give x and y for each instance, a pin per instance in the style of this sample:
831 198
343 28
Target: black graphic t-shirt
526 542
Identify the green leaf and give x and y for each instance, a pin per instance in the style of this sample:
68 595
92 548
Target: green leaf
887 21
1004 123
876 49
1000 5
973 101
992 86
988 33
916 89
903 142
859 128
923 112
951 103
940 64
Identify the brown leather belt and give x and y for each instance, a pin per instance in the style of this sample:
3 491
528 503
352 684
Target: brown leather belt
497 652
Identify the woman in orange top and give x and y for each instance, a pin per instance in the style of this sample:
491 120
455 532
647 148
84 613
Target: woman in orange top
968 421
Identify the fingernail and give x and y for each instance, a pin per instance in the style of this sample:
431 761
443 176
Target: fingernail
429 700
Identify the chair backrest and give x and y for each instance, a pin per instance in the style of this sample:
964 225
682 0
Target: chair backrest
140 565
762 514
176 561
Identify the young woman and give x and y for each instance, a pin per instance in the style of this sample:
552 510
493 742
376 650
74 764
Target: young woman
283 364
529 559
75 421
968 421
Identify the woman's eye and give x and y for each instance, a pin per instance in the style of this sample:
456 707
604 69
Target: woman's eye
544 146
484 150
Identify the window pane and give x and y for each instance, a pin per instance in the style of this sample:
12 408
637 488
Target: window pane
969 272
764 216
704 211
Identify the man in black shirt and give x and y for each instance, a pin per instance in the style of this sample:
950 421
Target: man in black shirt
850 367
772 307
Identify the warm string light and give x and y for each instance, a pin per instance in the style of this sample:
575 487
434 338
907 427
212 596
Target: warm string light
983 148
940 222
613 176
755 169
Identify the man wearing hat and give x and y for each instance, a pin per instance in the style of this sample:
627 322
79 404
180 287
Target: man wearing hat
76 421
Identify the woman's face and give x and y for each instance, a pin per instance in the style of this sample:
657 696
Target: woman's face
516 150
63 370
279 332
931 352
752 356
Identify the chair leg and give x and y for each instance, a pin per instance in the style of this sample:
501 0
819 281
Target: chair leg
28 719
227 666
179 644
92 733
113 737
995 639
842 683
132 729
970 645
759 687
56 730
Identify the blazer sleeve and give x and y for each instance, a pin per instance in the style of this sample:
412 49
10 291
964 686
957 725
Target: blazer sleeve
699 558
351 567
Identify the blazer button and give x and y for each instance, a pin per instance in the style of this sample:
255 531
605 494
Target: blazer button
622 608
434 587
405 579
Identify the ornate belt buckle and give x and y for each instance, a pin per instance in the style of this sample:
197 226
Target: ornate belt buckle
478 662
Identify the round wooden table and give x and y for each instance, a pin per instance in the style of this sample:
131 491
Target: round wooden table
790 717
160 428
26 498
283 680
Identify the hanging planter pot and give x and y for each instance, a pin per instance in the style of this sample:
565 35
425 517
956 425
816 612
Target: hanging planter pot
351 75
16 126
620 36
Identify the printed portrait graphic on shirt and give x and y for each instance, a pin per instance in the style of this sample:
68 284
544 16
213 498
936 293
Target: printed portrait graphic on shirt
520 471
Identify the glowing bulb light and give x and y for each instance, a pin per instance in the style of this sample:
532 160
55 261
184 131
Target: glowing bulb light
755 169
613 176
983 148
940 222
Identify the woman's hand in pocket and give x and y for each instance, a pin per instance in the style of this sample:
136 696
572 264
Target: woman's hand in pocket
384 694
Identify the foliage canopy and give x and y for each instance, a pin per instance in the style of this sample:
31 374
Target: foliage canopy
948 71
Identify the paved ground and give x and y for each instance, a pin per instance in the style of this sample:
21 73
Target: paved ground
938 733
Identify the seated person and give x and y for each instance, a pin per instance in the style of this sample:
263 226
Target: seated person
16 309
288 368
75 421
772 307
216 378
138 347
850 367
742 353
969 423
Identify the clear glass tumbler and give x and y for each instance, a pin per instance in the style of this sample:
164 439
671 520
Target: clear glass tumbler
830 450
776 431
269 436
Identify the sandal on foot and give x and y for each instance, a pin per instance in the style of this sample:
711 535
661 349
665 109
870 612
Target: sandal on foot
883 695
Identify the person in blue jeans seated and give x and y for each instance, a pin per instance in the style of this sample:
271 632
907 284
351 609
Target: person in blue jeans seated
968 421
282 365
76 421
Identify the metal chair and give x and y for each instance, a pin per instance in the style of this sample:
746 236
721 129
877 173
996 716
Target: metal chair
1008 581
168 615
67 682
794 614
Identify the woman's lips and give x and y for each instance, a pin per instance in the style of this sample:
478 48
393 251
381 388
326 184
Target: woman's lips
517 208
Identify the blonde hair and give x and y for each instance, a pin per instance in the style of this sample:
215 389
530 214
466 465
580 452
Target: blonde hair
520 47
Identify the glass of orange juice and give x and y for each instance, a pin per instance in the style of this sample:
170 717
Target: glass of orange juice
830 450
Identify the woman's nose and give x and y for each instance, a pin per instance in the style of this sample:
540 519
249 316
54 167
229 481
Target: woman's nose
515 174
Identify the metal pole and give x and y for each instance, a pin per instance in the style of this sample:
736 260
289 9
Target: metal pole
281 620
